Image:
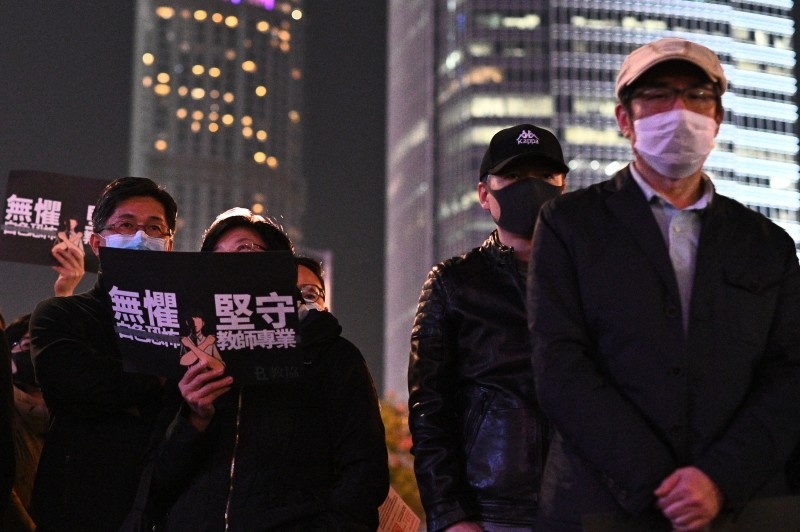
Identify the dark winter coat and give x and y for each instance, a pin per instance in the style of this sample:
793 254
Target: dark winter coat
632 396
102 418
306 454
479 439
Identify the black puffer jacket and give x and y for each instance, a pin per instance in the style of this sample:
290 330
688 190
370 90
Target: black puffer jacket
309 456
479 438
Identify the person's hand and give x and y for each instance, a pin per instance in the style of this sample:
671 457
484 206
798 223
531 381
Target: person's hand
464 526
689 499
70 267
200 386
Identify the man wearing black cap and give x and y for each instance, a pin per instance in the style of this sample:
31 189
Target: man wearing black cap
479 437
665 325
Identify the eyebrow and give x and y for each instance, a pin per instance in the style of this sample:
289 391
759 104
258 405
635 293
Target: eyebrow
129 216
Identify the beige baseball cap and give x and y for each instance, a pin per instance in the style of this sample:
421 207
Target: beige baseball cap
671 48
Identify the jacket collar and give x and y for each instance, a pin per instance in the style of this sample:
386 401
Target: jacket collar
496 249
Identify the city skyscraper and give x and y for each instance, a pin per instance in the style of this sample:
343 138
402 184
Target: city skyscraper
460 70
218 87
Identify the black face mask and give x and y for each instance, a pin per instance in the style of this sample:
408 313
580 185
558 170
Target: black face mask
25 373
520 203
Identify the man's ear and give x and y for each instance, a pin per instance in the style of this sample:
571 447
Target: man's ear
624 121
483 194
94 243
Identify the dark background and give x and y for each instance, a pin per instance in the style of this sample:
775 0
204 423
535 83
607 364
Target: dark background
65 80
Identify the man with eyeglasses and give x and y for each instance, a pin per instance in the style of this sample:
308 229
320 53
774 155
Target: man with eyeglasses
664 323
102 416
310 283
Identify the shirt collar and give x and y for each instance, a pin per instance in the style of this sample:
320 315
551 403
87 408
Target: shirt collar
649 193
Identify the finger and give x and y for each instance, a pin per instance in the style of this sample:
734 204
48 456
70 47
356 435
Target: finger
215 385
667 485
199 375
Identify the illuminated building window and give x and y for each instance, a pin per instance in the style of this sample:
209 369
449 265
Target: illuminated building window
198 93
148 59
260 157
249 66
214 72
261 91
272 162
160 145
165 12
162 77
198 70
261 135
147 81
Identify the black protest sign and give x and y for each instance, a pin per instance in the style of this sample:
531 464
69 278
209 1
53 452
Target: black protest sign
172 310
41 209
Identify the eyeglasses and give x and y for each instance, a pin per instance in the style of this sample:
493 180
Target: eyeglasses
23 344
247 246
125 227
311 293
696 98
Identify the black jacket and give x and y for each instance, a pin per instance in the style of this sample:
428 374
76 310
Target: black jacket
102 418
632 396
311 455
479 438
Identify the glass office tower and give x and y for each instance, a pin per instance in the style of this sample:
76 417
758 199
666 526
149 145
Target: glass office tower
459 70
216 107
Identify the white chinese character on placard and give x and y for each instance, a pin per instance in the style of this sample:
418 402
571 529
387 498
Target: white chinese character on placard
233 312
277 306
126 306
47 213
162 309
18 214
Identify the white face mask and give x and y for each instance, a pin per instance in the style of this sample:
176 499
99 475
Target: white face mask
303 309
675 143
140 240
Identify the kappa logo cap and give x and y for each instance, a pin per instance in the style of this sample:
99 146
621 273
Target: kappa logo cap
522 141
670 49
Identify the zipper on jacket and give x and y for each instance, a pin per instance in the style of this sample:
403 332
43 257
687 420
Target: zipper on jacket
233 461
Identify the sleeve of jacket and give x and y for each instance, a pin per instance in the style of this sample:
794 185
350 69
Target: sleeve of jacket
77 363
606 430
177 455
432 415
358 439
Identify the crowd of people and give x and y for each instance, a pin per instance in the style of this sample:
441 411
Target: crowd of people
620 357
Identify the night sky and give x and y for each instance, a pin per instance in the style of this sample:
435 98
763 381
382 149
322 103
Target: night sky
65 76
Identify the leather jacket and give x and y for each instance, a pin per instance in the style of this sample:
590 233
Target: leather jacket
479 438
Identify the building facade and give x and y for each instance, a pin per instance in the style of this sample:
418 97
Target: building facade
459 70
218 87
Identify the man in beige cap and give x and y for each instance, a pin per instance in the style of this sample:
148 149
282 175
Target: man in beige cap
664 323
